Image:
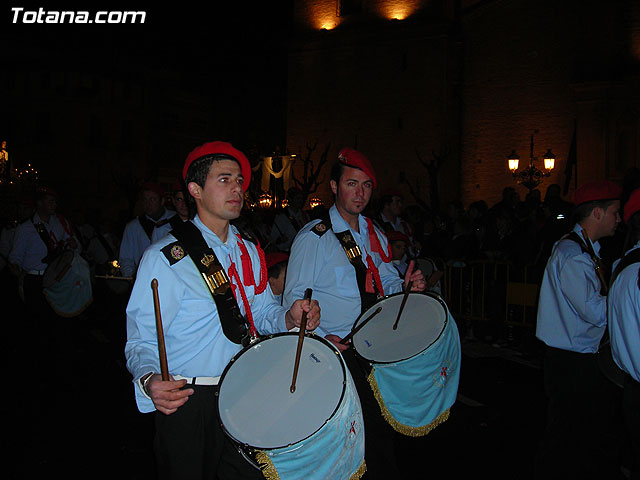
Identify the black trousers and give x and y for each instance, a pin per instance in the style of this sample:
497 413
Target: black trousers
379 436
581 437
631 411
191 445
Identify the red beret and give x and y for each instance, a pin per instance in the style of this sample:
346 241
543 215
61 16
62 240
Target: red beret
354 159
594 191
395 236
152 187
632 205
275 258
213 148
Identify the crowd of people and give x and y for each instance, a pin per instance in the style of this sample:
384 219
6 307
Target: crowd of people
253 269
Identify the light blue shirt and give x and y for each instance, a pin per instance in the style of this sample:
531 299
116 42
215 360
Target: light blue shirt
320 263
572 315
624 319
134 242
28 248
195 343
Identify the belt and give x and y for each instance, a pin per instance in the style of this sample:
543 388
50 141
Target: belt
35 272
198 380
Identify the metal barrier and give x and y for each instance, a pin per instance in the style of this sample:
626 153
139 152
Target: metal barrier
491 297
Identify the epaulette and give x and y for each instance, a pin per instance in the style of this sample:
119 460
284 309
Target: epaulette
321 228
174 252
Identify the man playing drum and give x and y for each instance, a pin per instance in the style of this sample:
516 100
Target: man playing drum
37 242
202 332
318 260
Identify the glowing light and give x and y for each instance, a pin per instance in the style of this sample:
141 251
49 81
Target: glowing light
315 202
399 10
265 200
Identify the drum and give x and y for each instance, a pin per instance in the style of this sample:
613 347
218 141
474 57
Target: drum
314 433
67 284
415 369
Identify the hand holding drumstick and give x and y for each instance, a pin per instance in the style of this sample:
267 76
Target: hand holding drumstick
163 390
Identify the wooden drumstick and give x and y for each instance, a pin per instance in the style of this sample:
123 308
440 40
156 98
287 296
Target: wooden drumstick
303 327
162 352
404 300
360 325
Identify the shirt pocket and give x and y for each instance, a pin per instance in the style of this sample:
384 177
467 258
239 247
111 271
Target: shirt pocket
346 281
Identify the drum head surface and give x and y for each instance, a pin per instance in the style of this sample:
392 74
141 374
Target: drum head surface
255 404
423 320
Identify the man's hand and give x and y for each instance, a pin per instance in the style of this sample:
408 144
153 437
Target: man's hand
166 395
294 315
416 277
336 342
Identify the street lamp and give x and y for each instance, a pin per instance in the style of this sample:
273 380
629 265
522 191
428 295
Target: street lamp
531 176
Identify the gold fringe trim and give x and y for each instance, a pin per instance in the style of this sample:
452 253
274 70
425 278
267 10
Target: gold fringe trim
270 473
266 465
400 427
359 472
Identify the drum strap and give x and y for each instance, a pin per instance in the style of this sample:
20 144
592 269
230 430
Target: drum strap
147 225
46 238
629 259
368 288
234 325
597 262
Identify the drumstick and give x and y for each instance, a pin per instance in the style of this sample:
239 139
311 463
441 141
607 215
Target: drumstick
161 349
404 300
303 327
360 325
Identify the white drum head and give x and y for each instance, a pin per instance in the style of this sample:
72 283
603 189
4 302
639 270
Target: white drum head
421 324
255 404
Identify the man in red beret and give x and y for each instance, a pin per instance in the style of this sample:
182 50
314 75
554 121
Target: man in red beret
213 291
137 234
345 288
571 321
624 327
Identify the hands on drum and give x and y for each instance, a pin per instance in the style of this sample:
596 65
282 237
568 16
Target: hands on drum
415 278
294 315
166 395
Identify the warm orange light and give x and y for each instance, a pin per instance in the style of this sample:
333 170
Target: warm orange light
513 160
399 10
549 160
265 200
315 202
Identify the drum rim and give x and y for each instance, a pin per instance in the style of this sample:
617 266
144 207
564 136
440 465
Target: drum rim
435 296
309 335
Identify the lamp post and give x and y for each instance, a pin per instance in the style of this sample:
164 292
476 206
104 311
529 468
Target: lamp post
531 176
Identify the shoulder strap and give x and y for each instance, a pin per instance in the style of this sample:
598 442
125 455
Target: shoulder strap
629 259
354 255
44 236
597 262
215 277
322 227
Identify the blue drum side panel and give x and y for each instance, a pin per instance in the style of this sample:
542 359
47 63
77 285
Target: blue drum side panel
415 394
335 452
